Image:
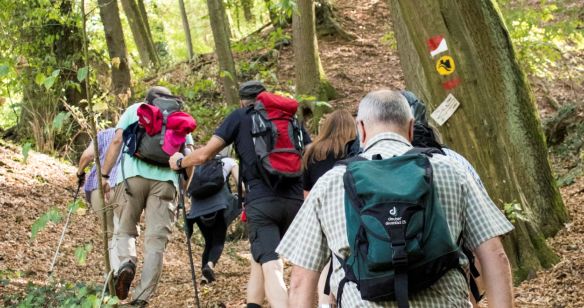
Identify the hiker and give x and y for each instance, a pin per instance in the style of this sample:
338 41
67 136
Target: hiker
387 182
104 138
321 155
210 204
146 184
273 186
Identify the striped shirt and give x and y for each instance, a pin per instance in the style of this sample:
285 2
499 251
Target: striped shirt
104 138
320 226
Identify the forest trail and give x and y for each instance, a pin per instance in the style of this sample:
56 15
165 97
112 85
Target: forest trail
354 68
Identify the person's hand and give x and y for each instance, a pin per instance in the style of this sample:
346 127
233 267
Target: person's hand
80 178
173 160
105 186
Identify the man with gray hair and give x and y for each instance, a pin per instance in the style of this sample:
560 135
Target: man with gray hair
385 128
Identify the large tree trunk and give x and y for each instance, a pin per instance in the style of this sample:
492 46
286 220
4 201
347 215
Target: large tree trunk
186 28
223 50
114 36
496 127
310 77
326 21
146 50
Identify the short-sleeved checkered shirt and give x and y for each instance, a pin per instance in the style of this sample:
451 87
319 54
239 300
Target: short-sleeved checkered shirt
320 226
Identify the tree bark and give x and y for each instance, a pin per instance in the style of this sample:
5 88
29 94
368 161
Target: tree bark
223 51
114 36
310 77
326 22
247 5
496 126
187 29
144 44
144 14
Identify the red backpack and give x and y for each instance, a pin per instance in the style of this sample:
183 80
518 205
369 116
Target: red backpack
277 136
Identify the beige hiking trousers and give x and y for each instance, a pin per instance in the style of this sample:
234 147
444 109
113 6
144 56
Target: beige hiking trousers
112 225
157 200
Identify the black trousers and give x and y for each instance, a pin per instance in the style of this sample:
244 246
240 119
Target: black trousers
214 231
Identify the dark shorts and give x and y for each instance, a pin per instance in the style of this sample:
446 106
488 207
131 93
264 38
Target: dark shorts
268 219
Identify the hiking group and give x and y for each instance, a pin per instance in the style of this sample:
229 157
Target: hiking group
375 212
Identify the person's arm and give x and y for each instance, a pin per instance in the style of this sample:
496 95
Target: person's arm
302 287
198 156
86 158
235 173
496 273
111 157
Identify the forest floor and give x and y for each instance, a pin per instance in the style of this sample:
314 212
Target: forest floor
28 190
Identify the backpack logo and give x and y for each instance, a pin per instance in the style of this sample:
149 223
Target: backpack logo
393 211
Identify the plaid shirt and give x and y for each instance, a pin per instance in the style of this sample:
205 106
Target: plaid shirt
320 226
104 138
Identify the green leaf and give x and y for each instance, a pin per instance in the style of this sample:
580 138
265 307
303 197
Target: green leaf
25 149
59 120
81 253
55 73
4 70
82 73
51 216
40 78
49 82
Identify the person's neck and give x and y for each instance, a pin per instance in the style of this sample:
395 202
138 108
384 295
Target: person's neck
377 130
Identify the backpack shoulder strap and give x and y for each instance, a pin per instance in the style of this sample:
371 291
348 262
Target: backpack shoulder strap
425 151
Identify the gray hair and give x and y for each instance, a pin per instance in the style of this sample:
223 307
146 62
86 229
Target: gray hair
384 107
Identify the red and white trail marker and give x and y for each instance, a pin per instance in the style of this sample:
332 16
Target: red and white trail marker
437 45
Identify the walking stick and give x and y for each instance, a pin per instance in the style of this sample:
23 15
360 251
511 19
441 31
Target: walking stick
64 229
181 205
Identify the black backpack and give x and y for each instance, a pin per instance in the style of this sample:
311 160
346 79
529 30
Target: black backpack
207 179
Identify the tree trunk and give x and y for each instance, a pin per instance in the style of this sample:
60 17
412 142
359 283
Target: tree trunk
310 77
187 29
223 50
144 14
114 36
326 23
496 127
144 44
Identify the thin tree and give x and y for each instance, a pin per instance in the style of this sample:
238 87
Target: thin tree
187 29
144 14
93 126
463 48
310 77
144 43
114 36
223 50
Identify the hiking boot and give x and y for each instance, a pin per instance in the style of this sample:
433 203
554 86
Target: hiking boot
123 282
208 274
138 303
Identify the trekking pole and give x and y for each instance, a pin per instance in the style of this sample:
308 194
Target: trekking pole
181 205
64 229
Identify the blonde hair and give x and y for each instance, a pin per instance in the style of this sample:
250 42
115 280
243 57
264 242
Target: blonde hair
338 129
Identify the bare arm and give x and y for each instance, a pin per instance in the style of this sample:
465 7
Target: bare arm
235 173
86 158
198 156
496 273
302 287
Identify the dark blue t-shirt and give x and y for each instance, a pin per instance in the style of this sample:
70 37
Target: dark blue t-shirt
236 129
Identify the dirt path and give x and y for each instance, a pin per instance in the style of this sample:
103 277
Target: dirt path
355 67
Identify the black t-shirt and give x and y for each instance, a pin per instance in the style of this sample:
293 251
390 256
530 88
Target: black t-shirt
315 169
236 129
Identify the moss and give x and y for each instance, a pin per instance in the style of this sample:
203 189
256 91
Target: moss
326 92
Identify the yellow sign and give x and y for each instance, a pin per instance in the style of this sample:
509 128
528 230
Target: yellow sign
445 65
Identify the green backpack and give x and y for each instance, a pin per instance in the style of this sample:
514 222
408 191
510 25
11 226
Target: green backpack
398 235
